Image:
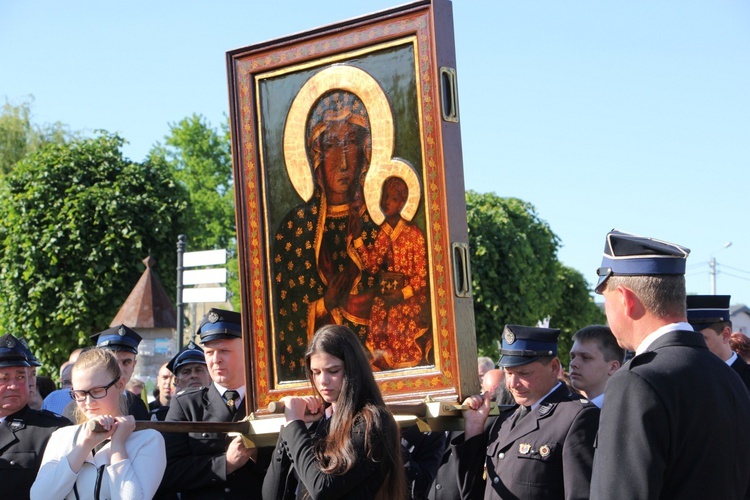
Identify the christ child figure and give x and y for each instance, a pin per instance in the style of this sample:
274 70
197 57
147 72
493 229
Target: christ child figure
398 259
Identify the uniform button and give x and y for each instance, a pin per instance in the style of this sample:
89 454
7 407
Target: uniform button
501 455
227 490
205 435
495 480
438 486
12 462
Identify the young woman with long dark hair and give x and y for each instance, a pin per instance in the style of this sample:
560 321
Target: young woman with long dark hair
352 449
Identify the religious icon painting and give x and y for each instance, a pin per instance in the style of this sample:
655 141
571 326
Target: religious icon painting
350 202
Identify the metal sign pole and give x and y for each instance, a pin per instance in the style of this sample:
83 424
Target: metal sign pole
181 247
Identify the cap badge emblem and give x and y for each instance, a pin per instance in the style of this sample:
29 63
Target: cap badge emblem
10 343
544 451
121 331
191 345
213 317
524 448
509 337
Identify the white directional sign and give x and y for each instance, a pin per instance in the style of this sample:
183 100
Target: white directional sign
204 258
211 294
203 276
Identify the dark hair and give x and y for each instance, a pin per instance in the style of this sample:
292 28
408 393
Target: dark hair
359 400
605 341
719 326
44 386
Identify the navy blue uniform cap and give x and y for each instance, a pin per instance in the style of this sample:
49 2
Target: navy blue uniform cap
118 338
191 353
628 254
525 344
12 352
705 310
33 360
220 324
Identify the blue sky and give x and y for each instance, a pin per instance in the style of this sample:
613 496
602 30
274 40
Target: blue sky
602 114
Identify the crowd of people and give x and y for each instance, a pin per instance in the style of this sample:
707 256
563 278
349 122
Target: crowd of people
654 405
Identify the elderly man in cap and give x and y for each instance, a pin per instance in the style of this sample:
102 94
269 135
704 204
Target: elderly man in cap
189 368
205 465
123 342
23 432
543 450
674 423
709 315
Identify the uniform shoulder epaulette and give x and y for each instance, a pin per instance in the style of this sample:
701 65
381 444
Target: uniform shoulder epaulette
192 390
53 416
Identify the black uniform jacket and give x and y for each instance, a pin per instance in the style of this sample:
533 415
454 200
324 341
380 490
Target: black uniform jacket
295 473
547 455
742 369
675 424
23 437
196 462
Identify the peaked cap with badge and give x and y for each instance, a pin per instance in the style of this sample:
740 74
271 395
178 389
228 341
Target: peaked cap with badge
628 254
705 310
219 324
118 338
525 344
33 360
12 352
191 353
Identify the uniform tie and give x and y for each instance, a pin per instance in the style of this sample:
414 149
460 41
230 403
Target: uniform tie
232 397
522 412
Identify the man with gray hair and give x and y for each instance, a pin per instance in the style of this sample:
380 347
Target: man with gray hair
674 422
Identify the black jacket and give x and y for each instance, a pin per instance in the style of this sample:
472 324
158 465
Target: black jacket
196 462
23 437
675 424
547 455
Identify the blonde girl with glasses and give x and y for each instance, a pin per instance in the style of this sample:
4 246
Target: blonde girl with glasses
108 460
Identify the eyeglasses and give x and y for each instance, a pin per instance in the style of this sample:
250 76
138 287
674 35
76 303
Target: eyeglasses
94 392
604 274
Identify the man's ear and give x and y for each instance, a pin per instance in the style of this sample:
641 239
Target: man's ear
632 304
726 334
613 367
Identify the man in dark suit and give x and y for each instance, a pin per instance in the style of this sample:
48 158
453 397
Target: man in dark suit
205 465
709 315
675 419
543 450
23 432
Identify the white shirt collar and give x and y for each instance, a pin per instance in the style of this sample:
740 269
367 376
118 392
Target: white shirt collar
731 359
222 390
598 400
651 338
536 405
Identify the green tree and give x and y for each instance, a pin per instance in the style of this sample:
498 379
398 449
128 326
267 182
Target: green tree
514 266
575 310
19 136
200 157
76 220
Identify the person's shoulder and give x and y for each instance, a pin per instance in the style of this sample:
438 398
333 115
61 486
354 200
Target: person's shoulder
194 393
46 418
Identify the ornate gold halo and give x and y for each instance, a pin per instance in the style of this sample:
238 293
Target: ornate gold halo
382 163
